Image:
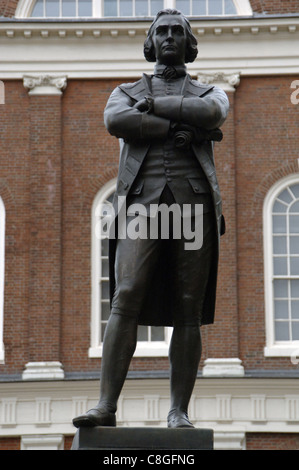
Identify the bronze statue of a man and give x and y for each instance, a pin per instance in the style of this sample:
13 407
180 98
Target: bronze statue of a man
166 124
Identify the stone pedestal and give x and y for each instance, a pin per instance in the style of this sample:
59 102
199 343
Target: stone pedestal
106 438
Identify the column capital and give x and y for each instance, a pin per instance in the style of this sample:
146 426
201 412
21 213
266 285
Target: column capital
45 84
226 81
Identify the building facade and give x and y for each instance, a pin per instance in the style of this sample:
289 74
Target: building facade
59 63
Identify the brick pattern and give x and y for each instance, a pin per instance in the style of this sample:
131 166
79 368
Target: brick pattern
272 441
275 6
266 126
14 189
226 318
45 228
10 443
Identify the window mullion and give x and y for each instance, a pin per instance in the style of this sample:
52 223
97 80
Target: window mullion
289 270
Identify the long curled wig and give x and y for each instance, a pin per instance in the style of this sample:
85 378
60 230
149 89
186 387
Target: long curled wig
191 46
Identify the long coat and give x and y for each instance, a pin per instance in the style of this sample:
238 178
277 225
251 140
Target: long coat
136 131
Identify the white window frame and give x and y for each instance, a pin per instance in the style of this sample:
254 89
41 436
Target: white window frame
25 8
273 348
2 273
143 348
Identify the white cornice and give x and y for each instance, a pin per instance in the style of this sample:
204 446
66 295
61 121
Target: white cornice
102 49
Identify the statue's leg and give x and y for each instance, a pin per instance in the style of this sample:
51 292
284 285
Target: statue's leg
184 355
134 265
190 272
118 348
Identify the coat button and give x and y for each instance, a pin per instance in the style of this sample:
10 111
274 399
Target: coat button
126 185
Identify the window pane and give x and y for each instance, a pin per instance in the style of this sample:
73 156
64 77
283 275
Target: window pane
156 5
282 331
183 6
295 309
280 288
110 7
142 334
279 245
280 266
294 245
294 265
285 196
141 8
281 309
38 10
199 7
69 8
295 190
295 288
230 8
294 223
85 8
52 8
279 207
105 310
126 8
279 224
215 7
105 293
295 331
104 246
105 268
157 333
295 207
103 327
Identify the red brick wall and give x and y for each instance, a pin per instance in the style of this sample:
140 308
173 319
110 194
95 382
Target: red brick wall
275 6
272 441
266 127
9 443
14 190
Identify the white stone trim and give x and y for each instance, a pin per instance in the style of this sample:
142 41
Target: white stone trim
272 349
2 274
84 50
42 442
43 371
227 81
231 407
45 84
228 367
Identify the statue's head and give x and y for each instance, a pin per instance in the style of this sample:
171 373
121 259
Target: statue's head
170 39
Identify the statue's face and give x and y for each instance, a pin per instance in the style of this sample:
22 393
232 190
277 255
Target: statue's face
169 39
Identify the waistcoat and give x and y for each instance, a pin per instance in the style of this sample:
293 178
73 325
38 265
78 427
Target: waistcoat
165 164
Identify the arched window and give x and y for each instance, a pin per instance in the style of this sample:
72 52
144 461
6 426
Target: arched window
2 258
152 341
128 8
281 245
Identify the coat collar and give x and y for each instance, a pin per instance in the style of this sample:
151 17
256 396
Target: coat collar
142 88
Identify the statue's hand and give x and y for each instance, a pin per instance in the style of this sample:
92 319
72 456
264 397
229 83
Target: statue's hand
145 105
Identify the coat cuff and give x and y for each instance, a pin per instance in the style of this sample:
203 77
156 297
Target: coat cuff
169 107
